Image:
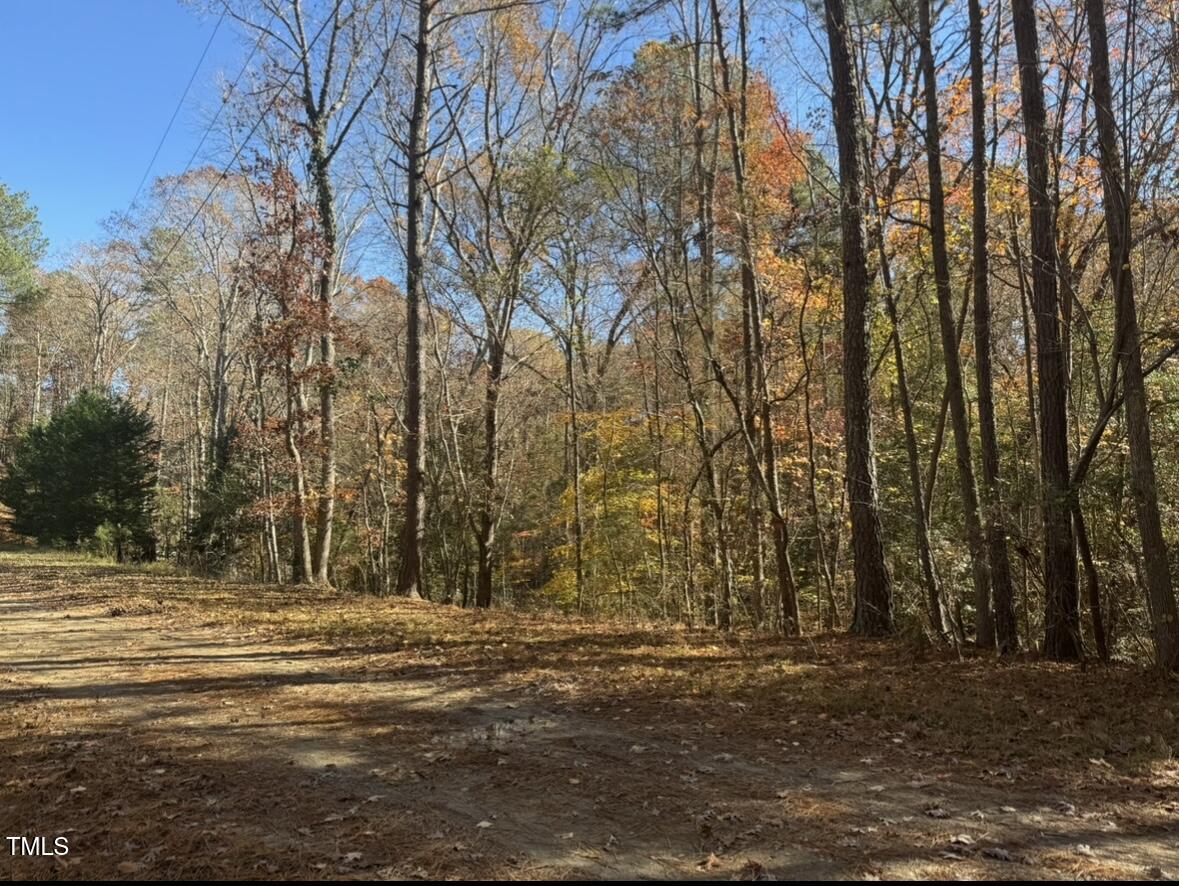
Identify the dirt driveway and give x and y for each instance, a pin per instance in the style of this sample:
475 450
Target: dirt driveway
165 739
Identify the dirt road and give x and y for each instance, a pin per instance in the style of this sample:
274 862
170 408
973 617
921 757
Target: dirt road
163 743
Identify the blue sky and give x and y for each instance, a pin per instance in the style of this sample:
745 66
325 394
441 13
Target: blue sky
89 86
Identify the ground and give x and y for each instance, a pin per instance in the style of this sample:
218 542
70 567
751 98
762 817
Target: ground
176 728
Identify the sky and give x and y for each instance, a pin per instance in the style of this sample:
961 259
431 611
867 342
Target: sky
89 87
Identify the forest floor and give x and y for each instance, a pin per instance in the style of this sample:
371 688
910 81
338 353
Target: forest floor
176 728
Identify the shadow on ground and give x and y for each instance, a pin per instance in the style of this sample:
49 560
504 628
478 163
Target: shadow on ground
177 728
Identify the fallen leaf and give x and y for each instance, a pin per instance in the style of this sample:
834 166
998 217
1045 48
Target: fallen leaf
709 863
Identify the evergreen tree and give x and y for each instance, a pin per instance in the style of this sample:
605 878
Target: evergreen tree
222 522
90 466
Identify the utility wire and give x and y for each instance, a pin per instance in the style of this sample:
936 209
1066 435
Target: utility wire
236 154
176 112
209 128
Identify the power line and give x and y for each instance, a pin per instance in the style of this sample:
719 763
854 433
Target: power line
213 122
236 154
176 111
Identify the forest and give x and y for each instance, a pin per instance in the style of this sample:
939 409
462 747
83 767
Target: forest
558 305
499 379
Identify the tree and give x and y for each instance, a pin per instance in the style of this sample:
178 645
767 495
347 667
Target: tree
21 243
1062 633
108 298
873 584
763 459
1002 593
281 267
1164 616
497 206
949 335
92 464
330 83
409 577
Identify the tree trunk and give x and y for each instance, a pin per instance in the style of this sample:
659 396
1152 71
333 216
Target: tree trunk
920 523
575 461
984 634
325 511
37 376
487 520
1164 616
762 454
1003 596
1092 584
822 560
409 578
301 567
1062 635
873 584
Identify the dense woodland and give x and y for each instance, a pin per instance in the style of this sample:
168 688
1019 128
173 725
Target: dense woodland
792 316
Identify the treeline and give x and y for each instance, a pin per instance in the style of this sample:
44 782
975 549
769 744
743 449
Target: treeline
557 304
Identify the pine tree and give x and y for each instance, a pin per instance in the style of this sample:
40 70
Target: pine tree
90 466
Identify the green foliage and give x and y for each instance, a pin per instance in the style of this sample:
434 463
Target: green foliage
222 519
21 243
87 475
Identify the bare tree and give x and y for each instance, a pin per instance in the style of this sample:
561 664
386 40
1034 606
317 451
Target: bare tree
107 293
331 73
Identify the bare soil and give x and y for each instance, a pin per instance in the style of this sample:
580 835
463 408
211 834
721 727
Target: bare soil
176 728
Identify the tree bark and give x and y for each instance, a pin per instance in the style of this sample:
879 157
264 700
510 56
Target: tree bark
920 522
301 564
980 571
575 456
1160 595
326 207
1092 584
487 520
873 584
1003 596
1062 634
409 578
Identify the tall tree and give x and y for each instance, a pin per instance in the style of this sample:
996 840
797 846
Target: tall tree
331 77
283 263
1062 634
873 584
1164 616
107 295
949 333
21 242
409 577
758 408
1000 563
